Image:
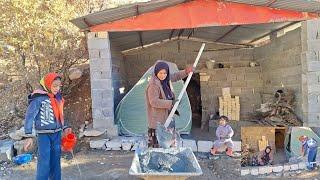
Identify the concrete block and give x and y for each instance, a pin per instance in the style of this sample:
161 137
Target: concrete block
114 144
112 130
204 78
205 146
314 45
238 83
277 169
253 69
135 146
94 132
265 169
254 83
236 91
302 165
99 65
98 144
104 53
231 77
108 112
92 35
6 150
286 167
126 146
100 75
219 77
245 171
94 53
313 78
97 112
223 84
237 146
252 76
294 167
101 84
254 171
190 143
131 140
102 35
97 43
240 77
313 66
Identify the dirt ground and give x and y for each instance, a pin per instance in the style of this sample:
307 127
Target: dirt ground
98 164
312 175
115 165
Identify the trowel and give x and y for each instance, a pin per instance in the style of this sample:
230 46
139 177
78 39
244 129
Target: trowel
166 133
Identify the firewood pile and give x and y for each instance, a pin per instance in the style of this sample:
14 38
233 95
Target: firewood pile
279 112
247 156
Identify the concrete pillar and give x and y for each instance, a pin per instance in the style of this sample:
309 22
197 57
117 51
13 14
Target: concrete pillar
310 61
101 82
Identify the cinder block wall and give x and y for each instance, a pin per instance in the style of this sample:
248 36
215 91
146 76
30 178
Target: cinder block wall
280 63
310 57
119 76
179 52
245 82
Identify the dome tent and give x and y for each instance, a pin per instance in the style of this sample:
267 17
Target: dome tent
131 115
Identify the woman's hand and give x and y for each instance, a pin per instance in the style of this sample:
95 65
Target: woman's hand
189 69
28 143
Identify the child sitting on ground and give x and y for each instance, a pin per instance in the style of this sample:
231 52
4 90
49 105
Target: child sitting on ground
224 133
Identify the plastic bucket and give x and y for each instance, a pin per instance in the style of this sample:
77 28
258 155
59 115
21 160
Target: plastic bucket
68 142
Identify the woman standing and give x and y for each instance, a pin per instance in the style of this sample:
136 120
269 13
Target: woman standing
160 97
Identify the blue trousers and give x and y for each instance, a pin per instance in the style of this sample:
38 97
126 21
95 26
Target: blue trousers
312 155
49 152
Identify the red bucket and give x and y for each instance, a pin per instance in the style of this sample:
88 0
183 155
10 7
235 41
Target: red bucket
68 142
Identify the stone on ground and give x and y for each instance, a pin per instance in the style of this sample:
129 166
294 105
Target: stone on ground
126 146
6 150
277 169
98 144
94 132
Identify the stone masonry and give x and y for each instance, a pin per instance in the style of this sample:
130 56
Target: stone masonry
101 82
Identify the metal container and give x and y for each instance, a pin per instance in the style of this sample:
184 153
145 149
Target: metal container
136 169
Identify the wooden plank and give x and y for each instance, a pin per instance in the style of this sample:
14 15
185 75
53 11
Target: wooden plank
263 143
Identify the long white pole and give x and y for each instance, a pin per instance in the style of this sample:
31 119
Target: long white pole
169 119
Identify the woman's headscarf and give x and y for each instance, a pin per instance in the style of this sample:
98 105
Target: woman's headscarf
57 101
166 82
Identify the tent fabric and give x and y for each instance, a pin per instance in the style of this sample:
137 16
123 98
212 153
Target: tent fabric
293 145
131 115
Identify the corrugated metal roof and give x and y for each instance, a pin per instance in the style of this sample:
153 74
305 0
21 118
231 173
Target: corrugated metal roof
122 12
297 5
240 35
113 14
